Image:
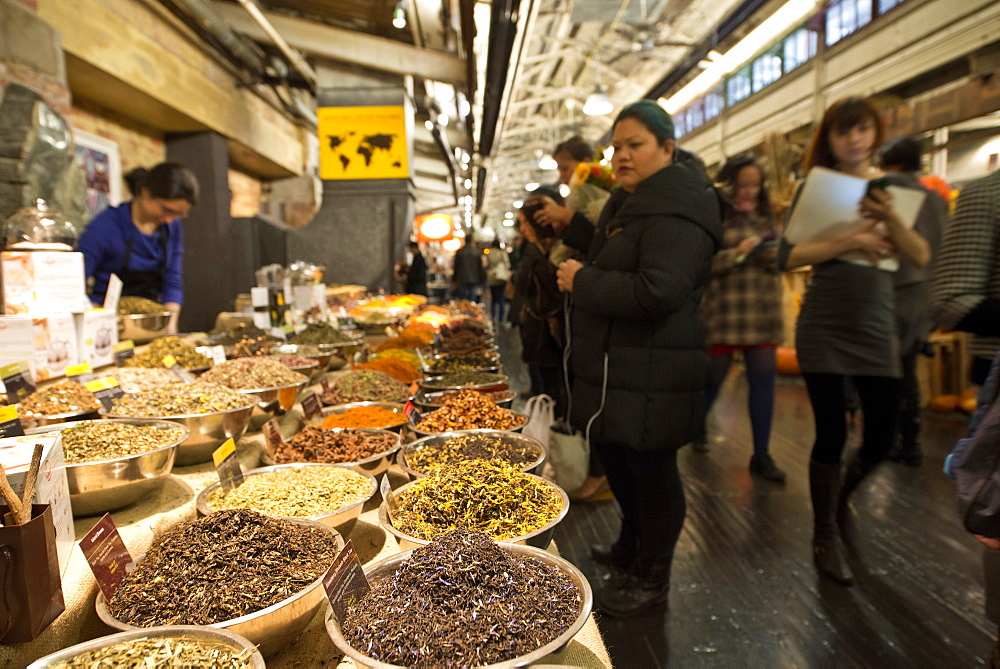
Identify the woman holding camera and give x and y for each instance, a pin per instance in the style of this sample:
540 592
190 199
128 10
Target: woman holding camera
637 345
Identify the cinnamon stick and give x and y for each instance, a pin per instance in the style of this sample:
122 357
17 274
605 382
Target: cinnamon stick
28 493
9 496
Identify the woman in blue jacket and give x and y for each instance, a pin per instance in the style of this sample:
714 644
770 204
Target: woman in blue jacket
142 240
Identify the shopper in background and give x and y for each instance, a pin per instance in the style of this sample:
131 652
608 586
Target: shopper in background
468 274
497 275
912 284
637 346
142 241
741 305
847 326
413 270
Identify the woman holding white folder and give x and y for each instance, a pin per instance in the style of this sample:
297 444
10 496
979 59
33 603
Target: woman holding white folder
846 327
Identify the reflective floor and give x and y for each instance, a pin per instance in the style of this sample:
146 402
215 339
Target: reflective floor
744 591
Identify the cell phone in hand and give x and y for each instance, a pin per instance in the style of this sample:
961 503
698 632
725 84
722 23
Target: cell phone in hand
881 183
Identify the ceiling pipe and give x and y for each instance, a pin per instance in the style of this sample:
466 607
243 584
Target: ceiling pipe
204 20
296 60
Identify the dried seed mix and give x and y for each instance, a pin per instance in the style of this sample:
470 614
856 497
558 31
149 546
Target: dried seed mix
321 333
469 411
185 354
130 305
140 379
316 444
252 373
297 491
365 385
90 441
456 362
180 400
440 399
426 456
463 379
62 397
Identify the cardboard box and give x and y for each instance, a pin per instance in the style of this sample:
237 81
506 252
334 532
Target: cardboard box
43 282
50 488
96 336
18 343
61 348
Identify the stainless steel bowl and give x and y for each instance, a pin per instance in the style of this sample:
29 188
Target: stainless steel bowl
427 401
341 519
276 399
426 367
67 417
215 636
208 431
374 465
433 383
522 416
105 485
392 406
305 351
540 538
513 438
142 328
385 568
271 628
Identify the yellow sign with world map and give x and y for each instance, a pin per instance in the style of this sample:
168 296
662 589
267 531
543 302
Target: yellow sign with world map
362 143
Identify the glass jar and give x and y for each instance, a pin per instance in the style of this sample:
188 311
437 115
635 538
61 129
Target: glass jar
39 228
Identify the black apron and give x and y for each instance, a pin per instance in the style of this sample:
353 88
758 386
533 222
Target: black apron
144 283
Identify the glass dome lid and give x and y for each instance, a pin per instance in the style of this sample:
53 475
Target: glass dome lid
39 228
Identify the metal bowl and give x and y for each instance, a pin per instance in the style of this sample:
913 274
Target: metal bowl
221 637
276 399
523 416
105 485
392 406
425 368
540 538
430 401
434 383
271 628
142 328
208 431
306 351
385 568
375 464
342 519
67 417
513 438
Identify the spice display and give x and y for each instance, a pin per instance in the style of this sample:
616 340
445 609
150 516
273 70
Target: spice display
457 362
316 444
131 305
365 385
488 496
88 442
460 341
465 378
240 332
402 371
469 411
220 567
441 399
160 653
408 339
252 373
426 456
409 357
462 601
62 397
321 333
297 491
374 416
180 400
185 354
251 346
140 379
293 361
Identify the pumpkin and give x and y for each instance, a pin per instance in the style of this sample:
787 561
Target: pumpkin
944 403
967 401
787 361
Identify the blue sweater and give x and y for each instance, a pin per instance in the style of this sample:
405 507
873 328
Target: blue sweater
103 248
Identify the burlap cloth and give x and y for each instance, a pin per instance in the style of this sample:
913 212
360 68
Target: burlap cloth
175 503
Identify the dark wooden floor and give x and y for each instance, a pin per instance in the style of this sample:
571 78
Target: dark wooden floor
744 591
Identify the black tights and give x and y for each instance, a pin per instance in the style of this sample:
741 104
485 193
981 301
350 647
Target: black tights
879 402
648 488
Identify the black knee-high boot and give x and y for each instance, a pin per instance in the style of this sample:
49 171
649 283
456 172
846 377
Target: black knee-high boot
828 550
645 584
857 471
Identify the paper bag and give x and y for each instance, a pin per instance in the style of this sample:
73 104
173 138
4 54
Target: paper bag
31 595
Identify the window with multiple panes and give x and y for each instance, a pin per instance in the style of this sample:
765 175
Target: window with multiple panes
715 102
799 47
886 5
766 68
844 17
739 86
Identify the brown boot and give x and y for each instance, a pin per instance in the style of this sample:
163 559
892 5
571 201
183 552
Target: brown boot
828 550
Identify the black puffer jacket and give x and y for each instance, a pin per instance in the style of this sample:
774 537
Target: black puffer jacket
637 302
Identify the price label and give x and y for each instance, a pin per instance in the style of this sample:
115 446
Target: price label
217 354
113 293
391 505
311 406
106 391
106 554
272 438
345 581
228 465
170 362
123 351
10 423
18 381
325 384
410 411
79 373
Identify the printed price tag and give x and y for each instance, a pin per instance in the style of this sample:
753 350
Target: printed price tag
79 373
410 411
228 465
123 351
390 500
10 424
325 384
170 362
272 438
106 554
113 293
217 354
106 391
311 406
345 581
17 380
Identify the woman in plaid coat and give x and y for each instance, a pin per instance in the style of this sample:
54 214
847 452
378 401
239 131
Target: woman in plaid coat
741 305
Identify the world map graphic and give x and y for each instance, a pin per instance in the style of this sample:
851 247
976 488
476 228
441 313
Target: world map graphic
354 146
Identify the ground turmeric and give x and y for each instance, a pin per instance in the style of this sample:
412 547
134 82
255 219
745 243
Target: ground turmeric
374 416
397 369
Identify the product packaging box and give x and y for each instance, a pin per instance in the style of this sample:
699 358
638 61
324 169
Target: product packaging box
18 343
96 336
51 486
56 335
42 282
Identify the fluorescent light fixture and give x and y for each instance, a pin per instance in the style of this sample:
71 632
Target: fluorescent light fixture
429 125
399 15
598 103
508 222
509 215
443 119
564 190
531 187
518 203
547 162
788 16
468 184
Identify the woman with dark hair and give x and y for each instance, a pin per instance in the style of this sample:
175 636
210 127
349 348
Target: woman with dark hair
847 326
142 240
637 346
741 305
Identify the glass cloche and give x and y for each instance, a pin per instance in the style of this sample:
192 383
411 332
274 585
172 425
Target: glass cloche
39 228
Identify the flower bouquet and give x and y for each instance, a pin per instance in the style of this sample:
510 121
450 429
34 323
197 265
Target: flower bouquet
590 187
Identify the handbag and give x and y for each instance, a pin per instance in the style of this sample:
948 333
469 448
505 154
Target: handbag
568 459
540 410
31 595
977 470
